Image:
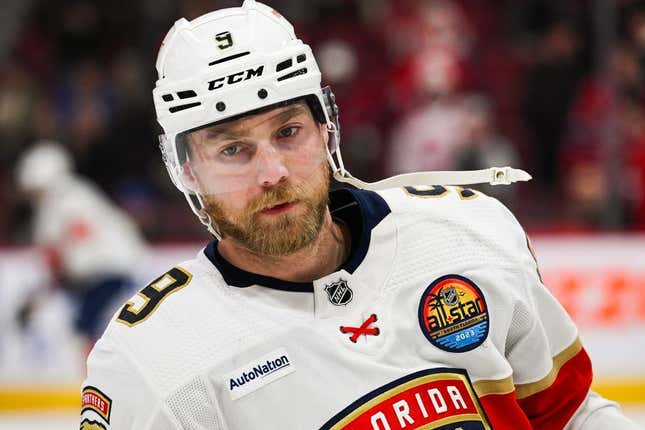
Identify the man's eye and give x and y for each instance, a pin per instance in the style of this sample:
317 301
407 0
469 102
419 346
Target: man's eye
232 150
288 131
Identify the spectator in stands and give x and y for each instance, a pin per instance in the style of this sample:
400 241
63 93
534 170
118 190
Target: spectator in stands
484 146
633 120
428 82
604 131
550 87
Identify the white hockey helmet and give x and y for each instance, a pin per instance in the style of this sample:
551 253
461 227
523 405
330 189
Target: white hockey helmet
43 166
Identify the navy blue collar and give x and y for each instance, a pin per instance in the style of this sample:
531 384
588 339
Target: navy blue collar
360 210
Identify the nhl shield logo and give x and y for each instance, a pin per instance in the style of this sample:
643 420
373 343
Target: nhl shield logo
450 296
339 293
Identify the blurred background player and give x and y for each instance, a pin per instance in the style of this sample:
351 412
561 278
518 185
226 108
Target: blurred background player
91 246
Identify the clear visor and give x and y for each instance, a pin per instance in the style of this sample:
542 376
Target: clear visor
262 150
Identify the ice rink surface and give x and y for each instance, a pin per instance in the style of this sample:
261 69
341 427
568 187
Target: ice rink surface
51 421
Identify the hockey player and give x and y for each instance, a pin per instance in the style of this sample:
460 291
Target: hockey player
92 248
407 308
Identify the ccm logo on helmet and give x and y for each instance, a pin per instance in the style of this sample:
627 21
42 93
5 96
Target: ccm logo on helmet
235 78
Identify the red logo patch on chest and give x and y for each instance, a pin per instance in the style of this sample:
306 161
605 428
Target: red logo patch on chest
429 399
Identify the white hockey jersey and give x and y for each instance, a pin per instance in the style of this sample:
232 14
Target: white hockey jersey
438 320
89 235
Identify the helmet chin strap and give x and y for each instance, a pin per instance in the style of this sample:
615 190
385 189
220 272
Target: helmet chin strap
493 176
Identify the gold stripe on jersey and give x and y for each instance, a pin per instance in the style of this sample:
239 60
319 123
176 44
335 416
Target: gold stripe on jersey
526 390
491 386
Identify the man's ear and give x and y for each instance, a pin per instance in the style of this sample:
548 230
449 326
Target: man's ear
188 178
325 133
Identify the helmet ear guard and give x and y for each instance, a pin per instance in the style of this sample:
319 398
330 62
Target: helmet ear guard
331 108
330 102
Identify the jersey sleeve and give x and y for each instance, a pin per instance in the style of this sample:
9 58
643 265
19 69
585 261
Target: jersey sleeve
115 396
598 413
552 372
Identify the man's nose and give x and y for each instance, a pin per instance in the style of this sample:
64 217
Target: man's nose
271 168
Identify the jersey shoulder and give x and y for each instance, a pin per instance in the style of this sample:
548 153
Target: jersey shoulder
435 197
462 206
455 224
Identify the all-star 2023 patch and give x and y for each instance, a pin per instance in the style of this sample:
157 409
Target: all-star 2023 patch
453 314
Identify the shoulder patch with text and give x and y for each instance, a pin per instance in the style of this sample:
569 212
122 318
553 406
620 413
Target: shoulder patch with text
441 399
453 314
93 399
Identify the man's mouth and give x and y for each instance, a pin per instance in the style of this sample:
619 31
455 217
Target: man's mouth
279 208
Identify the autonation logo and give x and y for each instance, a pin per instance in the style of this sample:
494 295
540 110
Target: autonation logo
258 373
